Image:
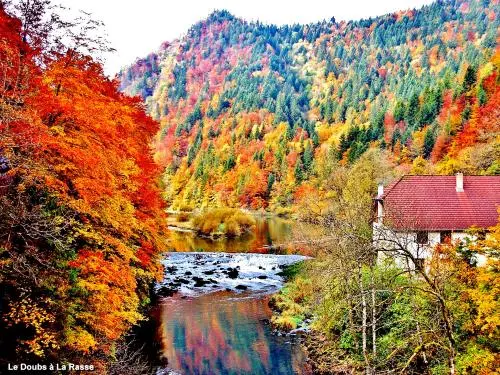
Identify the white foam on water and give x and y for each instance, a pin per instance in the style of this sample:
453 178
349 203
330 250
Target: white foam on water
259 273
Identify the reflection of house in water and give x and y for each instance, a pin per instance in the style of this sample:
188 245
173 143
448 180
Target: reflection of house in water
418 212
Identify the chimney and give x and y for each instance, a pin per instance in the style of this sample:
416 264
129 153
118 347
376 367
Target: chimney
460 182
380 206
380 190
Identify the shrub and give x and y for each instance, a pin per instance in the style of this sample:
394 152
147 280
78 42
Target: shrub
285 322
291 304
183 217
184 207
286 212
229 222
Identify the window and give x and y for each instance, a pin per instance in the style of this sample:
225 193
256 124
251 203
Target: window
422 238
445 236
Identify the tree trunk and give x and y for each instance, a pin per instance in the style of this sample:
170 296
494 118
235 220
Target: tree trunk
374 319
352 329
421 342
449 334
364 325
449 331
452 362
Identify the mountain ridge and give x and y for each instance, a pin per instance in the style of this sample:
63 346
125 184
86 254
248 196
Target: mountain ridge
247 110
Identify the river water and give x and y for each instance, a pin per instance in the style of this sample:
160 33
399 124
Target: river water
212 314
225 333
271 235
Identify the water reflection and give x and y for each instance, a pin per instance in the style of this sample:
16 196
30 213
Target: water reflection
271 235
224 333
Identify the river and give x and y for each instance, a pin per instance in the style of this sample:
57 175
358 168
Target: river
212 314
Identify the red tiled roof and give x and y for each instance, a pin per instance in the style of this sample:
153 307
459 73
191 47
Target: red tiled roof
432 203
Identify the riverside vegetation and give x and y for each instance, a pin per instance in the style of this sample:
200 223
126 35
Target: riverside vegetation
228 222
214 223
372 317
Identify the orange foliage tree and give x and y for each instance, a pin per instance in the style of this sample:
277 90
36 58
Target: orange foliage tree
81 224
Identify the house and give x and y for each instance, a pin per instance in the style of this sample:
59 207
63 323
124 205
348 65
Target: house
418 212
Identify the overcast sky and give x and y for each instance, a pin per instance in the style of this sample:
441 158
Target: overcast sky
138 27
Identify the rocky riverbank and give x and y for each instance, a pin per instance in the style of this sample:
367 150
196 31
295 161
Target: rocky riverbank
324 358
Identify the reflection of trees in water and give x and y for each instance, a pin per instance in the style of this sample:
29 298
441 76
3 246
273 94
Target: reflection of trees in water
216 335
186 241
268 232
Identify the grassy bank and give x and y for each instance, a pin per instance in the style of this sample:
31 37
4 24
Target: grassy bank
292 304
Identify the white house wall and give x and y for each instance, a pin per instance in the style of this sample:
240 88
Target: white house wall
394 243
434 238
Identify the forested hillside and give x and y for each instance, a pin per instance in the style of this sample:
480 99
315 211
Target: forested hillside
253 114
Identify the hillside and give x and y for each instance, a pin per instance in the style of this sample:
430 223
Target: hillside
250 112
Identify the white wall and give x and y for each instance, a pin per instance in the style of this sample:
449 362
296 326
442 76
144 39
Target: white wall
461 236
434 238
394 244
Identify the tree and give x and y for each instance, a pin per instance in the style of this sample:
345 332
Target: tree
307 157
80 199
428 142
271 179
469 78
299 171
412 111
349 305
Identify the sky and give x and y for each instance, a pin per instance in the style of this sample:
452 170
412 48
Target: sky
137 27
